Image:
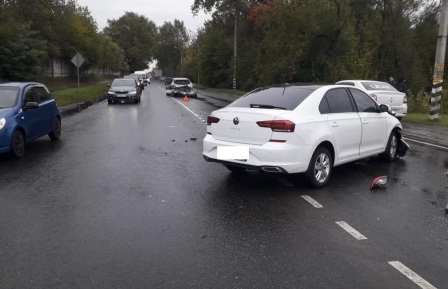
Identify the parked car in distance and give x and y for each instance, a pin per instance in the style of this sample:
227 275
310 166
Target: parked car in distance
27 111
124 90
301 129
382 93
137 79
181 83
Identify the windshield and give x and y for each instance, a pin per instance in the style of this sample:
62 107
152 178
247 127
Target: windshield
123 82
182 82
8 96
281 97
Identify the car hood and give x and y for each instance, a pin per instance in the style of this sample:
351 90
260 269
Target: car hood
6 112
123 88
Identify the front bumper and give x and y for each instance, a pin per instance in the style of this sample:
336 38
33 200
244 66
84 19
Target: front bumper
122 97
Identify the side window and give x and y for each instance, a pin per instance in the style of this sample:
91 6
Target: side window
323 106
339 100
42 94
363 102
29 96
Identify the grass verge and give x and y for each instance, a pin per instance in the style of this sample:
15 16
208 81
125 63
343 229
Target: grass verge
86 93
422 118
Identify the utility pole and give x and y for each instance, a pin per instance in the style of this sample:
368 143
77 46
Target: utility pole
439 66
235 46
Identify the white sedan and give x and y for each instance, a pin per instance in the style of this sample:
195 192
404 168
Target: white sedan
383 93
301 129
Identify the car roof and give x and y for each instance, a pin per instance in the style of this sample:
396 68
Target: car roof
361 80
19 84
180 78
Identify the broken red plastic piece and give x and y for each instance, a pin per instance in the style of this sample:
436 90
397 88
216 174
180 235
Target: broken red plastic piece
379 182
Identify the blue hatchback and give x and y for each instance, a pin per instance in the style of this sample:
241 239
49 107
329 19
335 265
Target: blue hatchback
27 112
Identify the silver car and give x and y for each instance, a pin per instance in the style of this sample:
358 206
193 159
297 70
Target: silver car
383 93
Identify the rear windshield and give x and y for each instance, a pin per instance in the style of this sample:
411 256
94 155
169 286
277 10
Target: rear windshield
287 98
370 85
181 81
8 96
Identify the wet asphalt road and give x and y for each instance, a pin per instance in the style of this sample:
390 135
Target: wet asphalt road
125 200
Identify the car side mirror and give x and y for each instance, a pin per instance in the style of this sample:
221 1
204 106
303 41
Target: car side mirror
387 108
30 105
108 84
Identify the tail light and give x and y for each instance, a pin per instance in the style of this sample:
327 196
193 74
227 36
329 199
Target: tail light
405 99
212 119
278 125
373 96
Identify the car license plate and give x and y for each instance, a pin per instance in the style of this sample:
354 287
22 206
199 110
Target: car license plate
233 152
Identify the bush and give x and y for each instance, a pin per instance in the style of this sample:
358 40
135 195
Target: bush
420 103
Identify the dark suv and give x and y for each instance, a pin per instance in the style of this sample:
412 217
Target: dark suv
124 90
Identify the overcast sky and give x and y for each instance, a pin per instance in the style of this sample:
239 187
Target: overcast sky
159 11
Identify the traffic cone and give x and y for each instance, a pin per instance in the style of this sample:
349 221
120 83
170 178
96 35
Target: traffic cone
186 98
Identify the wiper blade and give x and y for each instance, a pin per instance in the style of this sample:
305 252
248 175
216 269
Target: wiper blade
253 105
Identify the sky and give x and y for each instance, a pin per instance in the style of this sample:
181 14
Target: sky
158 11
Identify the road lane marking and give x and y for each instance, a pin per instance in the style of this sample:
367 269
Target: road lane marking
351 230
195 114
411 275
425 143
312 201
192 112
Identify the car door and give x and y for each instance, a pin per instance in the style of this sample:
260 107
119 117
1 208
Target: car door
344 123
47 108
31 118
374 123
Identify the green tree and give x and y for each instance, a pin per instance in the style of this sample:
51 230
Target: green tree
22 53
169 49
135 34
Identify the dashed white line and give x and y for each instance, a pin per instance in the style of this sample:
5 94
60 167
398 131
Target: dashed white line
312 201
411 275
357 235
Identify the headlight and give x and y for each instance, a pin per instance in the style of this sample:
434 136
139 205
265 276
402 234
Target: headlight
2 123
132 92
110 92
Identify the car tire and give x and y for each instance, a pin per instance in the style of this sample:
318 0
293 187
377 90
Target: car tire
55 134
109 101
390 154
236 170
320 167
18 144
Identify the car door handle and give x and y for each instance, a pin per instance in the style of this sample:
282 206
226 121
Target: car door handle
334 124
364 121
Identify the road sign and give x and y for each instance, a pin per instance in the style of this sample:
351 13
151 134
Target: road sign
77 60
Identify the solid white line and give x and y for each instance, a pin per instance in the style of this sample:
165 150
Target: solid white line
425 143
411 275
189 109
312 202
351 230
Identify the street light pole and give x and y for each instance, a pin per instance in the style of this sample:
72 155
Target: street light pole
439 66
